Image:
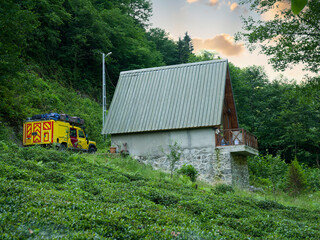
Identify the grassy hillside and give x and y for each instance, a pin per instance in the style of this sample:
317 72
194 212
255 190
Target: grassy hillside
28 94
49 194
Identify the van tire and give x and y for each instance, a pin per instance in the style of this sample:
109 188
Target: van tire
92 150
63 147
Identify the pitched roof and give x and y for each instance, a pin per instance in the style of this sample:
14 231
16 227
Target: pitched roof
172 97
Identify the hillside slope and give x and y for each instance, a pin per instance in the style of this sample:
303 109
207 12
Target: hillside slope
49 194
28 94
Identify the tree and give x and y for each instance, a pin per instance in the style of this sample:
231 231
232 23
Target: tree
173 156
288 39
16 24
283 115
203 55
43 43
297 180
167 47
249 88
65 38
268 167
185 48
140 11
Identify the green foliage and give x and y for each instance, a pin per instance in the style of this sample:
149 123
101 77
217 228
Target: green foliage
16 24
268 171
51 194
174 156
283 115
271 172
161 197
185 48
298 5
189 171
288 37
267 204
27 94
223 188
64 40
313 179
296 178
164 45
203 55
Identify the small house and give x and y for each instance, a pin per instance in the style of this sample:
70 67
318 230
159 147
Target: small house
191 104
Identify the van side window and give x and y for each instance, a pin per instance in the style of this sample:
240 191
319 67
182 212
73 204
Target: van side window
81 134
73 132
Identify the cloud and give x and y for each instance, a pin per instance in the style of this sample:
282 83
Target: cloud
213 2
222 43
233 6
192 1
207 2
277 8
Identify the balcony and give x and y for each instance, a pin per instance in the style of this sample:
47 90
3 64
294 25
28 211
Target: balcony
241 141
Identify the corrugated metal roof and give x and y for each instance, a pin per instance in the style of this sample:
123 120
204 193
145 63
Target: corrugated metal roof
172 97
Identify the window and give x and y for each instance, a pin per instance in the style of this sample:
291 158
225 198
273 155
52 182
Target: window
73 132
81 134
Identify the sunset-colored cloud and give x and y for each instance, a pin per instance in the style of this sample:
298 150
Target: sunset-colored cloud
222 43
213 2
207 2
192 1
233 6
277 8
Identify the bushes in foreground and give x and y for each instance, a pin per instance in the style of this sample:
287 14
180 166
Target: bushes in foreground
190 171
61 195
273 173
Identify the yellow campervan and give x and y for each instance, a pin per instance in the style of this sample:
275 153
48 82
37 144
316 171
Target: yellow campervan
65 132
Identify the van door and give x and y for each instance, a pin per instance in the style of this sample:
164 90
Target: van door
73 137
82 141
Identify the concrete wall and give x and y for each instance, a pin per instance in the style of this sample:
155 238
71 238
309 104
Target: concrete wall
221 164
156 143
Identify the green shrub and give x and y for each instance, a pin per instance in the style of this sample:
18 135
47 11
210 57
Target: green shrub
134 176
267 167
54 176
223 188
40 154
189 171
174 156
313 179
161 197
268 204
296 178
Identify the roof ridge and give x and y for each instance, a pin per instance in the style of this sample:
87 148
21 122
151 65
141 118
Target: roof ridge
172 66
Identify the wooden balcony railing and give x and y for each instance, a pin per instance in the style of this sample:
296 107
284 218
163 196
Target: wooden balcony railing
230 137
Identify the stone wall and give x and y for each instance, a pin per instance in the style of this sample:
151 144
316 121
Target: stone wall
221 164
240 172
218 167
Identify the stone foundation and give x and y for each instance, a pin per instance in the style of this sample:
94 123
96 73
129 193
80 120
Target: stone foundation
222 166
225 164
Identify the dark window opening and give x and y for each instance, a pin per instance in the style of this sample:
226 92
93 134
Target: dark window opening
73 132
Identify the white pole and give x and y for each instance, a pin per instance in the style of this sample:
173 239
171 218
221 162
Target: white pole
104 97
103 90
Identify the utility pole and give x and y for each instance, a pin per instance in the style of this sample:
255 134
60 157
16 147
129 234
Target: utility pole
104 97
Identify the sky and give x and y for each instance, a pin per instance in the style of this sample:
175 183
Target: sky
212 25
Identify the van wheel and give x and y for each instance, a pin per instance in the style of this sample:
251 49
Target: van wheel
92 150
63 147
